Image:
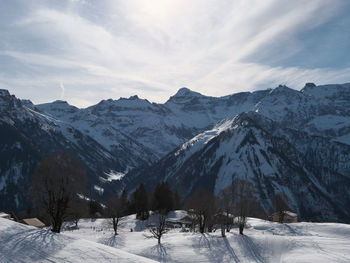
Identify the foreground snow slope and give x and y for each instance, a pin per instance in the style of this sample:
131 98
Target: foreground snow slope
263 242
21 243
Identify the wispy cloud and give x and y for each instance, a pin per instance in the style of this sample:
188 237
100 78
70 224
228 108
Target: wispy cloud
151 48
62 90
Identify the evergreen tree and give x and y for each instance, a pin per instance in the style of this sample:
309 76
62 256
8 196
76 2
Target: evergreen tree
140 202
163 198
124 203
177 202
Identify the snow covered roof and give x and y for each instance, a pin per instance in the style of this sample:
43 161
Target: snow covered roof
178 220
4 215
289 213
33 222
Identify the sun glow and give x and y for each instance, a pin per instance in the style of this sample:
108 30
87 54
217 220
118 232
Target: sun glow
158 11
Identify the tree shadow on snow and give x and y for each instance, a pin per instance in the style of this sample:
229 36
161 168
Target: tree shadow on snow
160 253
215 248
112 241
140 225
32 243
250 248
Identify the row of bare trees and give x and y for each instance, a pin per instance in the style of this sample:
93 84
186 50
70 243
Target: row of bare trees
232 206
60 179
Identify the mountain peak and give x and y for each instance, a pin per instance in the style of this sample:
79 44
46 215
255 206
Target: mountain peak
310 85
8 101
183 91
60 102
186 92
135 97
4 92
282 88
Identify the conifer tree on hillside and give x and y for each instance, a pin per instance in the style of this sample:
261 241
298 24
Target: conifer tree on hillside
177 201
162 200
140 202
124 203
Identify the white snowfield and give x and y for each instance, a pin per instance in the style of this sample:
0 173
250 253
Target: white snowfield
263 242
22 243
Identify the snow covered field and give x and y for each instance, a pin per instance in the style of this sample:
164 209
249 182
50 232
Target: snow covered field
263 242
21 243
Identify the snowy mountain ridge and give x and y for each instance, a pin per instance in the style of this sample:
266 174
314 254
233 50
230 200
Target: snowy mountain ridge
312 171
115 136
162 127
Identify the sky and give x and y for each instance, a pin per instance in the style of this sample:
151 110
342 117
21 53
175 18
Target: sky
83 51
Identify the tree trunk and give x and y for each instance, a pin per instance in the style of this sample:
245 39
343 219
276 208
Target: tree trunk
115 225
56 226
159 240
201 226
223 231
241 227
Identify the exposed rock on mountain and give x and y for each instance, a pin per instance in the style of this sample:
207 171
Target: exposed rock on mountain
282 140
311 170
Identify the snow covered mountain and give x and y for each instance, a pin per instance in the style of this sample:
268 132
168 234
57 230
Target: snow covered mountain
313 171
27 136
116 136
160 128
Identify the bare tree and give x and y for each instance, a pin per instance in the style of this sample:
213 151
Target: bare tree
77 209
194 219
56 182
115 212
225 208
202 205
281 207
243 202
159 229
